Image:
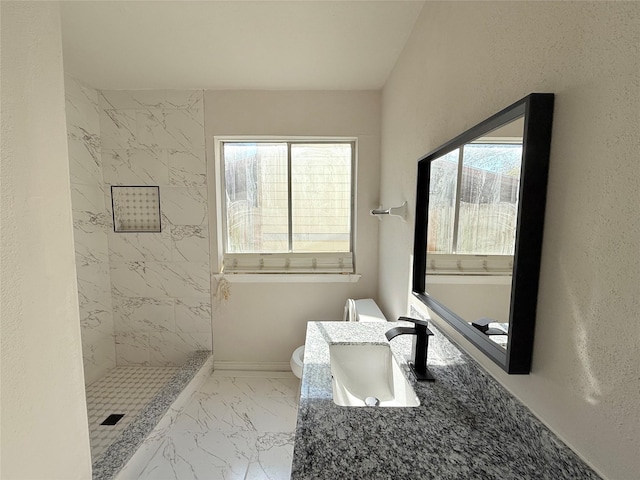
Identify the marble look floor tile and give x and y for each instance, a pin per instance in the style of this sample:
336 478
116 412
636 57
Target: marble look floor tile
238 413
222 455
237 425
213 413
271 414
274 454
268 387
209 455
219 384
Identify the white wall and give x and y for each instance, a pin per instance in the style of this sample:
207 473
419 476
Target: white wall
466 61
44 419
91 226
264 322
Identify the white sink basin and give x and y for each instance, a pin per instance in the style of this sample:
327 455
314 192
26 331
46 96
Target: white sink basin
368 374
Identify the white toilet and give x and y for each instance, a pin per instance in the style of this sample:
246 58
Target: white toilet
297 360
363 310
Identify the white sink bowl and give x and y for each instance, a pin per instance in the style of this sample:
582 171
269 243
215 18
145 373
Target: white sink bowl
364 373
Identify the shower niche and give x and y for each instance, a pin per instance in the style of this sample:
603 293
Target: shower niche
136 209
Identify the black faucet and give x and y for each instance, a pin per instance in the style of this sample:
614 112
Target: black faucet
420 346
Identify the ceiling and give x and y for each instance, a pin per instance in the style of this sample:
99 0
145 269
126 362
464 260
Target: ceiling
274 45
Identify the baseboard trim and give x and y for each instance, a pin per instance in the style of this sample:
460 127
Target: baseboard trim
283 367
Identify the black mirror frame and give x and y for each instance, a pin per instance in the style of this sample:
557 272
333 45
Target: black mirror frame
537 109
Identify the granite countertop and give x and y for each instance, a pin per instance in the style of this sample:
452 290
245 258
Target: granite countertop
466 427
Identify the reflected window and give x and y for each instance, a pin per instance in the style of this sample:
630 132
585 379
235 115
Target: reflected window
488 202
473 207
442 203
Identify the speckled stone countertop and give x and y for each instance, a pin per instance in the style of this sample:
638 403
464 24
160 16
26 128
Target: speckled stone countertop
466 427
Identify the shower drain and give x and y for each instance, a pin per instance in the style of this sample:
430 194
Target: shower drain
113 419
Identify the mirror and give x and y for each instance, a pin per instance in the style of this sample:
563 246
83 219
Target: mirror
478 233
473 206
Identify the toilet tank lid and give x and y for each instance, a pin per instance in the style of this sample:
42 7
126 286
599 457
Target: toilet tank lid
368 311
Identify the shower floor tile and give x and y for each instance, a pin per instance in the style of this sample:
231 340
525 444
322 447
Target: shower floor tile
124 390
237 425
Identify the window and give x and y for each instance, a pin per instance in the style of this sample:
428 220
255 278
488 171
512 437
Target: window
473 208
287 205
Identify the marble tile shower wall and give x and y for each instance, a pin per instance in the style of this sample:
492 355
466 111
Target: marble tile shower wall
91 224
160 282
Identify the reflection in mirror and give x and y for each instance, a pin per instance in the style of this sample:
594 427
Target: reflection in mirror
478 230
473 207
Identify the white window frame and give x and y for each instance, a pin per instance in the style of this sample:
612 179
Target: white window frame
275 266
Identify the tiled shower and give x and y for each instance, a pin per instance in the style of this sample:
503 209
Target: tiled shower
144 296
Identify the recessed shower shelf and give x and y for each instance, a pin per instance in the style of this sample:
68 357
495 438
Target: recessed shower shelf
136 209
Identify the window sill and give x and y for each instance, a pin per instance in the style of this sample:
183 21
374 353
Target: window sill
469 279
288 277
